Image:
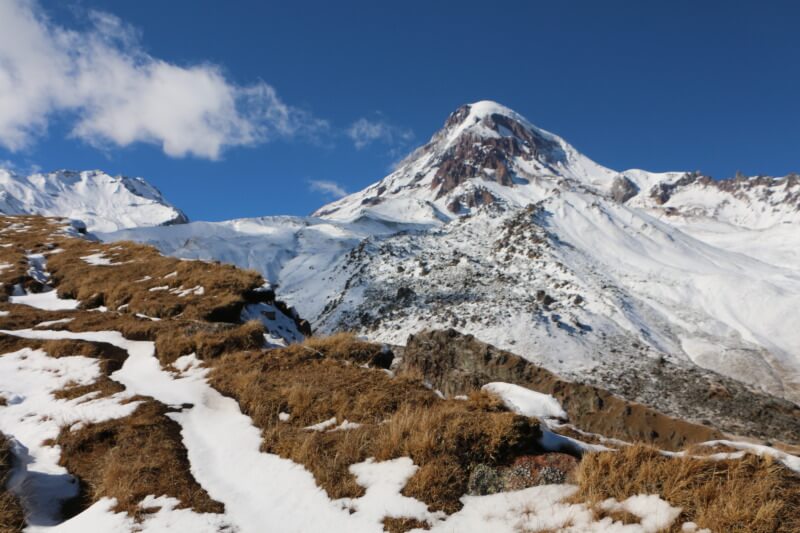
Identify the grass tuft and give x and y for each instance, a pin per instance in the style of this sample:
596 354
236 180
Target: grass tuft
754 494
12 517
130 458
399 416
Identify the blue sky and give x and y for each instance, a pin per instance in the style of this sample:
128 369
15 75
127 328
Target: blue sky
657 85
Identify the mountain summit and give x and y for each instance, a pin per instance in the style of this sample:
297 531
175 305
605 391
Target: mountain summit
485 154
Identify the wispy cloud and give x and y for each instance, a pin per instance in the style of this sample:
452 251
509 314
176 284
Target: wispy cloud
328 188
117 94
364 132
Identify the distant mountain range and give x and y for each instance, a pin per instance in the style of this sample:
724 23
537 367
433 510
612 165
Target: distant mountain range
102 202
503 230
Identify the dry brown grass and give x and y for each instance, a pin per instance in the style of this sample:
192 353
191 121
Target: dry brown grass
136 269
12 517
101 388
20 236
208 341
206 323
130 458
139 279
753 495
343 346
316 381
401 525
173 337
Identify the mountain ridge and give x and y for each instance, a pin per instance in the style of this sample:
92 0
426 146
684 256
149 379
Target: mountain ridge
101 201
487 153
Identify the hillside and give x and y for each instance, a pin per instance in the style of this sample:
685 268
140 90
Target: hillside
137 395
507 232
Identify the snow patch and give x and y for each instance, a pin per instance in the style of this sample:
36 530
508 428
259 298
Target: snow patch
526 402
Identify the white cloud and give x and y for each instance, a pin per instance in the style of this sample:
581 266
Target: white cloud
329 188
117 94
365 131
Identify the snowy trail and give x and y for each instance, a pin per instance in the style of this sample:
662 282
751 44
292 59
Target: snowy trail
223 447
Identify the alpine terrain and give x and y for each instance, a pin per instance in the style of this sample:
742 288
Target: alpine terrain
500 335
100 201
502 230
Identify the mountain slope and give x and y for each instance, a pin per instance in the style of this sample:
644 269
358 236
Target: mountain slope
134 398
102 202
507 232
486 153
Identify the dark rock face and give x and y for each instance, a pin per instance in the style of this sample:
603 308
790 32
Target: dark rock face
662 192
382 359
471 158
489 158
623 189
457 364
476 198
180 218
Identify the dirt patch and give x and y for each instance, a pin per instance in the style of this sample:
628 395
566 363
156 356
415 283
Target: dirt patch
130 458
754 494
396 416
12 517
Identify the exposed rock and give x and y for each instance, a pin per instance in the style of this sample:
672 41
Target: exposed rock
526 471
547 469
485 479
623 189
544 298
457 364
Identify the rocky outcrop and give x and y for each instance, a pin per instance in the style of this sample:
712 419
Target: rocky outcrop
623 189
456 364
526 471
489 157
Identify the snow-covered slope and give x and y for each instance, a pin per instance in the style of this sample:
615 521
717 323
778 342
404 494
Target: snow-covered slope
505 231
297 255
102 202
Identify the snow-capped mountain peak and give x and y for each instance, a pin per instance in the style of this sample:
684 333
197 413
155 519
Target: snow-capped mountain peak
103 202
485 154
